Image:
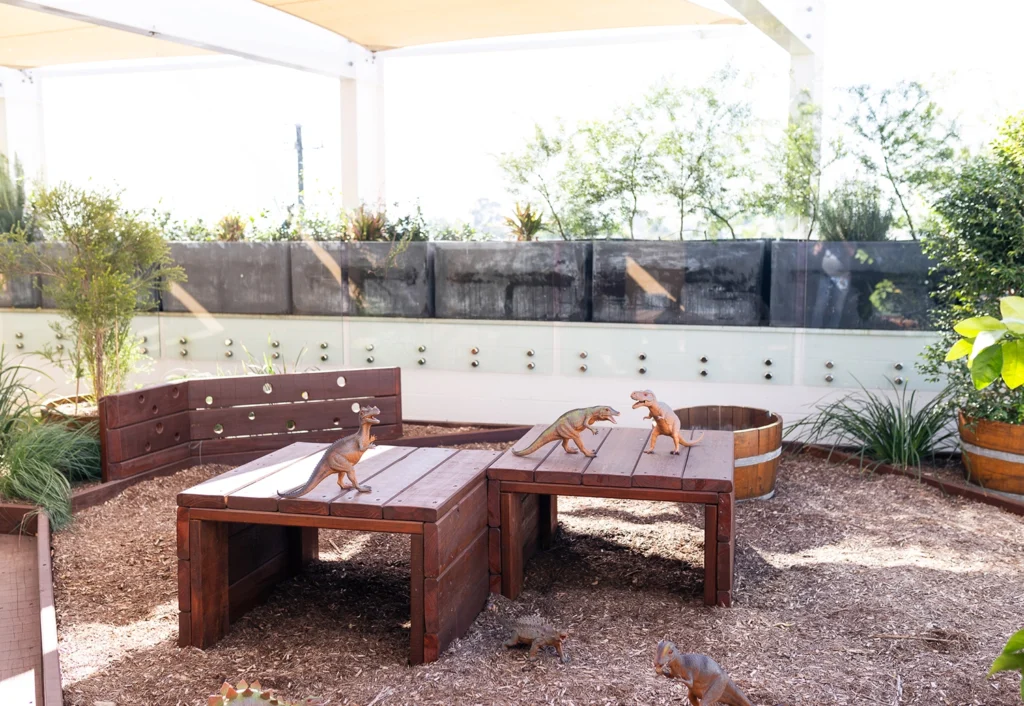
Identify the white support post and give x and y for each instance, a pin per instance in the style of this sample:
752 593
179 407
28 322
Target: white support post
21 121
362 139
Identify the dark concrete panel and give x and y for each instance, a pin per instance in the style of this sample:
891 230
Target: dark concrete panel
546 281
388 279
686 282
850 285
234 278
317 288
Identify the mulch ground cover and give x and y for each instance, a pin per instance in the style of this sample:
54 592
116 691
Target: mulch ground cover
852 589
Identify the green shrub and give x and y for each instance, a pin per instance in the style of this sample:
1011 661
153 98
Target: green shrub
1011 659
853 212
12 197
883 428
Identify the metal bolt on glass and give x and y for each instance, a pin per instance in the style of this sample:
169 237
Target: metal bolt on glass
275 344
475 363
829 364
228 354
144 350
19 346
829 378
228 341
643 371
323 357
59 335
898 381
583 368
703 359
323 345
767 376
530 352
767 361
422 361
642 356
19 334
531 365
898 366
182 340
474 350
583 354
60 346
422 349
703 373
369 346
369 359
183 352
276 355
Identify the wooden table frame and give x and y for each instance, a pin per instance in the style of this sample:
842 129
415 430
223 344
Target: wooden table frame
522 499
230 559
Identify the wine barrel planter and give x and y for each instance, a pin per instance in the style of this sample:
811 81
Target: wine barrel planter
73 411
993 454
757 438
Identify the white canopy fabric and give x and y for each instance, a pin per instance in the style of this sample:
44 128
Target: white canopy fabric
30 39
391 24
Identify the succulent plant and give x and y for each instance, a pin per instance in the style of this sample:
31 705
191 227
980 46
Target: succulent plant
245 694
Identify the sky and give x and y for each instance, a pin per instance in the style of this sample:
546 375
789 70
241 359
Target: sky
204 142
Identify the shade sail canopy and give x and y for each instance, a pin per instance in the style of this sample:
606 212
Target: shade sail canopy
30 39
392 24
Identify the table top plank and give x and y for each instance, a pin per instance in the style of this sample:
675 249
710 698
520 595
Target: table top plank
318 501
213 492
710 466
262 495
619 455
520 468
389 483
562 467
662 469
438 491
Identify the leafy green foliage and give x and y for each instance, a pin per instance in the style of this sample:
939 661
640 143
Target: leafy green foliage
853 212
110 263
885 428
231 228
525 223
38 460
12 197
994 349
902 138
1011 659
978 241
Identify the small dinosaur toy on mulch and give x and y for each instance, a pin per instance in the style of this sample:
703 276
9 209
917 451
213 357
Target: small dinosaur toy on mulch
706 682
537 633
243 694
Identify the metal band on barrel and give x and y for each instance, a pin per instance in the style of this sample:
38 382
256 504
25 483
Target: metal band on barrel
761 458
992 453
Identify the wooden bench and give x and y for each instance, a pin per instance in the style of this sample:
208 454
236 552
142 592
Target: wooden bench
162 429
237 538
523 492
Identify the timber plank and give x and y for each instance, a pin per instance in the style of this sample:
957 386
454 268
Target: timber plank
416 622
520 468
249 389
213 493
452 533
358 524
262 495
562 467
710 554
434 494
494 503
593 491
511 545
710 466
209 581
140 464
128 408
453 600
389 483
145 437
283 418
318 500
181 532
619 456
663 469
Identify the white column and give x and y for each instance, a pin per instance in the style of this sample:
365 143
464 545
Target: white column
21 121
362 138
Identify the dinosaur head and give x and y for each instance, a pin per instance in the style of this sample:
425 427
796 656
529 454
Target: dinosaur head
662 655
562 635
368 415
643 398
603 414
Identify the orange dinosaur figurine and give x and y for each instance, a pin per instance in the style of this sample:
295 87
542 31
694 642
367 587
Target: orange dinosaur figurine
666 421
706 682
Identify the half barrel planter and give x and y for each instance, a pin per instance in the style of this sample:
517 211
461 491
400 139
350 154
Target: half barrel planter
757 444
993 454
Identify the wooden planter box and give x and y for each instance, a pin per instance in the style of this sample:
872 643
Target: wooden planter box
993 454
62 410
757 438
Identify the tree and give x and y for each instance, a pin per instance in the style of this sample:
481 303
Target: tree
12 196
853 211
901 137
105 263
550 168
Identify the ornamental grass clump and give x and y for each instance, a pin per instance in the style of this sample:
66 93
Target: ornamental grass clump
39 461
881 428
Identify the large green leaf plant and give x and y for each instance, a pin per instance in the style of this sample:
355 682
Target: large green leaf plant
1012 658
994 348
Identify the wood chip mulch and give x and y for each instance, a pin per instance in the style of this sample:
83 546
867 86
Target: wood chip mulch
852 589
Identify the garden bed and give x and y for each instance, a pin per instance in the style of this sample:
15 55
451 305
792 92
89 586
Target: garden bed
852 589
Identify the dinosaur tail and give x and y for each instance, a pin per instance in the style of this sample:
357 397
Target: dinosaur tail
321 471
734 696
696 441
538 442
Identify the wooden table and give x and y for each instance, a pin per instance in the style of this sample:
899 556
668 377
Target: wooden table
237 538
523 506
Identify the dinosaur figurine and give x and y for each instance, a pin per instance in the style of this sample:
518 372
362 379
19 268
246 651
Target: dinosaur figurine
341 457
706 682
243 694
537 633
568 427
666 421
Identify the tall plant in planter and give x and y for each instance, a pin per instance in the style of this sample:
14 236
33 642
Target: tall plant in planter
979 245
109 262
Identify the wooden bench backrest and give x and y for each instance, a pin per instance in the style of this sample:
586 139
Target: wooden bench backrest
236 419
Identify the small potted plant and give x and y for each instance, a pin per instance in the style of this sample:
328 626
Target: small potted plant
992 423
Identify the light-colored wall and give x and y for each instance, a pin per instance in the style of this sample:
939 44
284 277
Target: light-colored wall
502 388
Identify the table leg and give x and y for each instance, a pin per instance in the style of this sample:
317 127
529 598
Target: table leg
710 554
548 520
511 545
726 537
416 600
208 574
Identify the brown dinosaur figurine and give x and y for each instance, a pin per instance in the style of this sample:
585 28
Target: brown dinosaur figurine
341 457
705 681
666 421
568 427
537 633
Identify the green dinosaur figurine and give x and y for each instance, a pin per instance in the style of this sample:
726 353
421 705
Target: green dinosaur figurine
568 427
